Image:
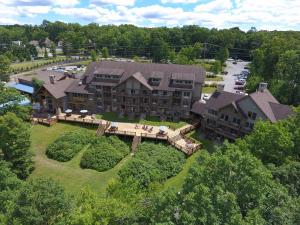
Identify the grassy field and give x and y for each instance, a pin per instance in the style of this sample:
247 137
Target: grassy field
69 174
208 90
73 178
216 78
31 64
151 121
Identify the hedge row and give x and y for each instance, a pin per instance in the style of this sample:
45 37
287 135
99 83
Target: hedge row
67 146
104 153
153 163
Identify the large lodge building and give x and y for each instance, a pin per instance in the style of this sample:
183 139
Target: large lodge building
128 88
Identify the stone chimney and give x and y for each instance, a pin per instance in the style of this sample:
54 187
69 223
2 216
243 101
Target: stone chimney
262 86
220 87
52 79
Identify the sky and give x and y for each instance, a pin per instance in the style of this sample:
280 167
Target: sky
262 14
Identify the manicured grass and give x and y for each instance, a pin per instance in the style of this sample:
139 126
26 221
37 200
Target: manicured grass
151 121
216 78
208 90
68 174
31 64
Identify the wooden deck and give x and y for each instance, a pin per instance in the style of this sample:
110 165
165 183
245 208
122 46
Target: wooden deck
176 138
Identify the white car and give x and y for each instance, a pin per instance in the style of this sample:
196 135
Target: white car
205 97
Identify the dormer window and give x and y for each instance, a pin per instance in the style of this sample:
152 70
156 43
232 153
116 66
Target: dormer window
154 81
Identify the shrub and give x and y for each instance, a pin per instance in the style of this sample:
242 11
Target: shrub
104 153
153 163
67 146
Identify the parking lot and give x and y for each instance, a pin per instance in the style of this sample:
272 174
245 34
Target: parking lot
232 69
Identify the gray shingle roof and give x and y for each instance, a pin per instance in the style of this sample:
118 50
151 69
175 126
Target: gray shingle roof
58 89
148 70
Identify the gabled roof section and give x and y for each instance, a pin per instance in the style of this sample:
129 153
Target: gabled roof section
263 99
183 76
57 90
281 111
217 101
139 77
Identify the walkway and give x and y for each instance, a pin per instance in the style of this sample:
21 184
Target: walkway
176 138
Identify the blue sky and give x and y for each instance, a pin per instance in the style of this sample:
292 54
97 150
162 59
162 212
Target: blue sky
262 14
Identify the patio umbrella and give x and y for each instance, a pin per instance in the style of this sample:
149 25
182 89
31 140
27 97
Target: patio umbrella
114 124
68 111
163 128
83 111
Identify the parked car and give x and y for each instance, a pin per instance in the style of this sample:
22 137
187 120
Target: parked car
246 68
239 82
205 97
234 62
224 72
239 87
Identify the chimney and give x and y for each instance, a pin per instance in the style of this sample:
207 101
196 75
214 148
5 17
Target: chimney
262 86
52 79
220 87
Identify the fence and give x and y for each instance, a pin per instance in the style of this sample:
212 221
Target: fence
48 122
157 136
79 120
128 133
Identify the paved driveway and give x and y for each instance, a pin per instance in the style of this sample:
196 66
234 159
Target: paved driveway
229 79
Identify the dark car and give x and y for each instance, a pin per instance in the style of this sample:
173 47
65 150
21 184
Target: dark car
235 62
239 87
224 72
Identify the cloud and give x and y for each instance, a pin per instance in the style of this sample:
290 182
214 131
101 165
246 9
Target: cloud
113 2
214 6
179 1
63 3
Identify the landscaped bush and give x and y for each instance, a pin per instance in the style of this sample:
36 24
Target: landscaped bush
67 146
153 163
104 153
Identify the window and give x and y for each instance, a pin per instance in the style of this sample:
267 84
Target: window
98 87
155 92
186 94
249 125
213 112
236 121
165 93
222 116
226 118
145 100
252 115
154 101
188 82
132 91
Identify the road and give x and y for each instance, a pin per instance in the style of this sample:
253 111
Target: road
232 69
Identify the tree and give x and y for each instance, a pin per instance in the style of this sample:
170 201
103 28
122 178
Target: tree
4 68
217 67
53 50
9 185
46 54
40 202
94 55
105 53
228 187
15 143
222 55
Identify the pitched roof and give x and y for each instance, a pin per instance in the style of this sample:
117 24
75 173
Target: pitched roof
43 76
148 70
263 100
57 90
217 101
77 87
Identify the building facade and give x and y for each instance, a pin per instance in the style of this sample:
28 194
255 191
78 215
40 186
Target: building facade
229 116
136 89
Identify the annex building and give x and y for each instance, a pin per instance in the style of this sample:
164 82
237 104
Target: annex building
229 116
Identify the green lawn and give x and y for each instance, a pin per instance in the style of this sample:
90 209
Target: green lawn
31 64
216 78
69 174
72 177
151 121
208 90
